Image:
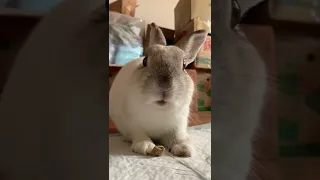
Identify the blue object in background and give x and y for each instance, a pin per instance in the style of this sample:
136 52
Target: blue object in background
126 54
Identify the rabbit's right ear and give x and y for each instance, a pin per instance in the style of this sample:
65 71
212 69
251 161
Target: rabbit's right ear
156 36
191 44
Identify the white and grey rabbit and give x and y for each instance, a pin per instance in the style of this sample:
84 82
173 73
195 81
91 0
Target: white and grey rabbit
150 97
239 81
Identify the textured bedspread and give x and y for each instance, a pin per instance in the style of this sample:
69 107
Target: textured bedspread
126 165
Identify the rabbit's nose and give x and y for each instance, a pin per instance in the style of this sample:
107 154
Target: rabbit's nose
165 81
166 95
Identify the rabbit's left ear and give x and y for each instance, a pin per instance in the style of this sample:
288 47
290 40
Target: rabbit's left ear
156 36
191 44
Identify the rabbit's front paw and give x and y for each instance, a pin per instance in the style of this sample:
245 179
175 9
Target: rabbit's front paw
182 150
147 148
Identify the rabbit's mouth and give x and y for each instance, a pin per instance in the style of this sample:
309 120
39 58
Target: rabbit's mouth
161 102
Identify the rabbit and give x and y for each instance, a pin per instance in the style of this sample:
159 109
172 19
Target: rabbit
239 81
150 97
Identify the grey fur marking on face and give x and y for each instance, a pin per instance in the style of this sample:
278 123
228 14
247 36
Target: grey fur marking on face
166 62
165 55
163 71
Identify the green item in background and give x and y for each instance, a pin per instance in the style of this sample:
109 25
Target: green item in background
204 92
201 87
288 130
200 109
289 145
300 150
289 83
200 102
208 93
312 101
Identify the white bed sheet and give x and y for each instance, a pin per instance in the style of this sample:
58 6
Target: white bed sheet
126 165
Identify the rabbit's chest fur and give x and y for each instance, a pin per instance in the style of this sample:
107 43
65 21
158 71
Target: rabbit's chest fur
240 81
157 124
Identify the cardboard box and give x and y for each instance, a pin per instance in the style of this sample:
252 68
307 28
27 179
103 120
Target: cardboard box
191 26
187 10
204 91
203 60
127 7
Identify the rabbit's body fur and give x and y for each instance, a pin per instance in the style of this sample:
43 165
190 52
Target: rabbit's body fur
124 100
151 96
239 78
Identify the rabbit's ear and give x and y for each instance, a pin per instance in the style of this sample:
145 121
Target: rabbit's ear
191 44
156 36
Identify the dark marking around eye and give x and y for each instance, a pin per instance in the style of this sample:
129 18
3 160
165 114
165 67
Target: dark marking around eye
144 62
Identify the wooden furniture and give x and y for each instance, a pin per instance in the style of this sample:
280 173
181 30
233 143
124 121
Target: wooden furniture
126 7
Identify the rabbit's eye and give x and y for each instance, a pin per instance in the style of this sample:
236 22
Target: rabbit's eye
144 62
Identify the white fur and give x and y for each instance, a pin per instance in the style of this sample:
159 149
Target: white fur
240 82
140 121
